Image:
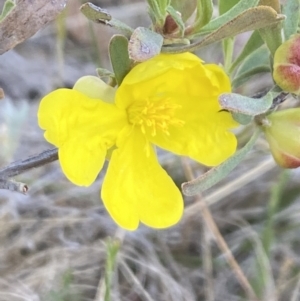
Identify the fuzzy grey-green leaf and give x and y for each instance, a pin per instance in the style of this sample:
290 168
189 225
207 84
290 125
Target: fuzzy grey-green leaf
144 44
291 10
186 8
236 10
118 51
245 105
155 11
104 73
242 118
245 76
204 14
95 13
251 19
253 43
225 5
98 15
256 62
163 4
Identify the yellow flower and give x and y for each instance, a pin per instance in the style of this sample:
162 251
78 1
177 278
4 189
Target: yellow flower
169 101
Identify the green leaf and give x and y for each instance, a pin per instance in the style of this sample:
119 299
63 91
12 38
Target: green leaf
163 4
291 10
251 19
259 57
226 5
245 105
186 8
177 18
216 174
204 14
154 7
275 4
253 43
104 73
119 56
242 78
242 118
95 13
231 14
8 6
144 44
272 36
99 15
227 46
157 15
257 62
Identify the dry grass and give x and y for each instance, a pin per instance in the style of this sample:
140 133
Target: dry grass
58 243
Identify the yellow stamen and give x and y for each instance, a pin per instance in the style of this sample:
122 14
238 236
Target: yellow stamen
155 115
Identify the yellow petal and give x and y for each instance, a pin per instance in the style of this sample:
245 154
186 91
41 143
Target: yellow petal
202 141
82 159
186 84
205 135
164 75
136 188
94 87
194 87
160 64
218 78
82 128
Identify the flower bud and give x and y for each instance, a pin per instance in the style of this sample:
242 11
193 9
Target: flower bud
282 131
286 71
170 25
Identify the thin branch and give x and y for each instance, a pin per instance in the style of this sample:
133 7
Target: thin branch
13 186
22 166
280 98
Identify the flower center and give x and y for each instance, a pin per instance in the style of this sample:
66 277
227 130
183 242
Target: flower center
157 115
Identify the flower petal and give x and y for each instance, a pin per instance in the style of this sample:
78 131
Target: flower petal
94 87
202 140
194 88
82 159
82 128
205 135
136 188
160 64
164 75
194 85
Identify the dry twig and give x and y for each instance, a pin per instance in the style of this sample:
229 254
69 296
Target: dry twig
21 166
25 19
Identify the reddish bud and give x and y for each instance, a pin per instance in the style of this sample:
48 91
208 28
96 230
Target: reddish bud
282 131
170 25
287 65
